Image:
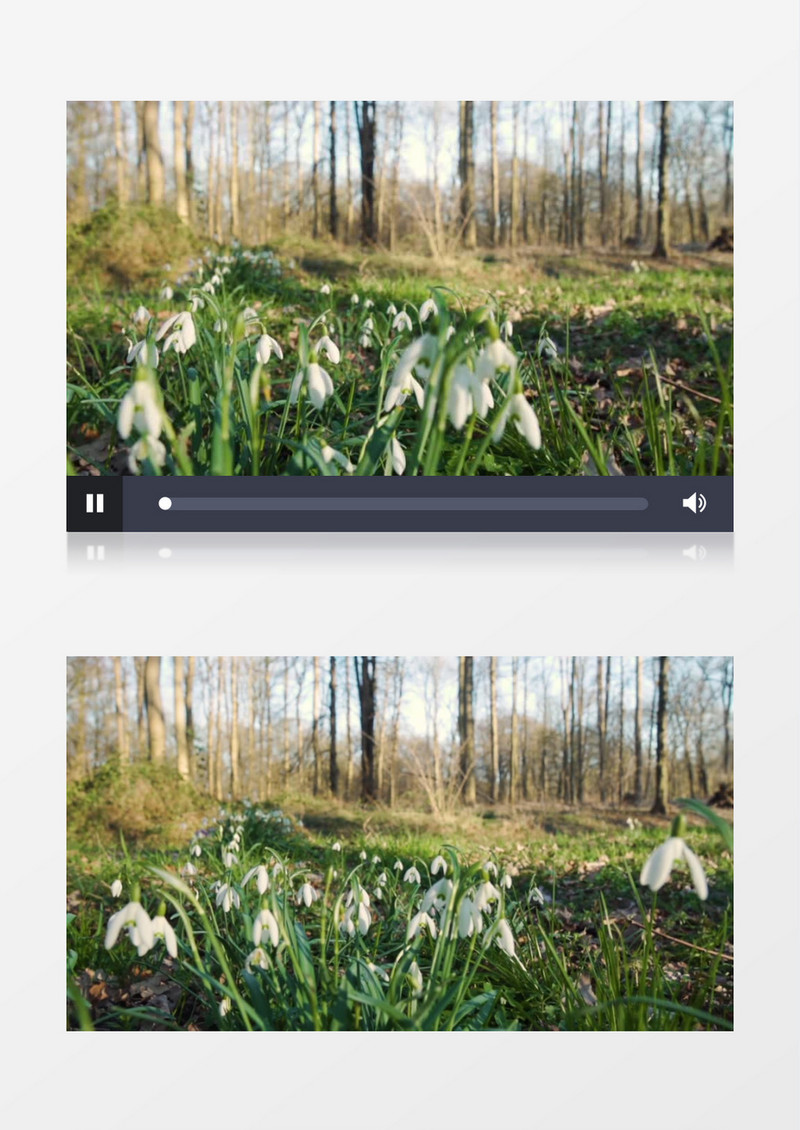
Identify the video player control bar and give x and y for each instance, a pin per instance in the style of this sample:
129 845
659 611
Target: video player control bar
381 504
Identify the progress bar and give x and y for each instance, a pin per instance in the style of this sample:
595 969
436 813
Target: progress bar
378 503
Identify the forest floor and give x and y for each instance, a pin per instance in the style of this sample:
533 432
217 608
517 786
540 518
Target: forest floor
638 380
592 949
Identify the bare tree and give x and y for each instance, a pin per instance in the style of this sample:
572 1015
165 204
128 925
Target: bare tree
661 250
334 767
365 680
334 211
514 209
189 161
466 691
119 704
155 709
469 225
180 717
495 215
236 227
315 189
179 161
365 120
662 749
639 229
119 155
637 732
154 159
495 750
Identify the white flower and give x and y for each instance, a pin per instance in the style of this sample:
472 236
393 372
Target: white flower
220 326
438 896
402 321
196 851
324 289
412 876
165 293
415 978
337 846
490 867
383 878
397 456
421 921
141 316
216 280
493 357
183 334
368 303
208 287
139 408
188 870
224 1006
320 385
384 976
450 332
265 347
507 329
146 448
258 957
229 859
657 869
354 299
439 864
397 865
162 929
329 348
251 319
116 888
403 382
468 394
227 897
364 341
427 308
375 859
485 894
140 928
518 409
505 939
368 326
391 310
307 894
469 918
506 882
197 303
262 878
266 919
362 855
547 349
329 453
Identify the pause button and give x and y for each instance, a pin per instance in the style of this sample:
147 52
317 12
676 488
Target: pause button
94 504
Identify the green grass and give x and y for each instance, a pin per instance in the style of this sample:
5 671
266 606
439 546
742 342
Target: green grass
593 950
642 383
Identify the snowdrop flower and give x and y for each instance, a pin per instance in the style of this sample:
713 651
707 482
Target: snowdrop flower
518 409
363 919
376 859
307 894
258 958
490 867
196 851
415 978
266 920
262 878
547 349
265 347
162 929
188 870
659 863
354 300
494 357
324 289
216 280
116 888
397 456
383 878
402 321
251 319
505 939
438 896
412 876
469 918
139 408
337 846
146 448
208 287
421 921
439 864
141 316
468 394
391 310
376 969
220 326
229 859
183 334
507 329
485 894
362 855
197 303
328 454
368 326
397 865
329 348
368 303
165 294
535 896
320 385
227 897
403 382
224 1006
427 308
135 918
506 882
450 332
364 341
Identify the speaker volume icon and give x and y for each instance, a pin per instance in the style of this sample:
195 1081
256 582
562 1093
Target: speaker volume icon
695 502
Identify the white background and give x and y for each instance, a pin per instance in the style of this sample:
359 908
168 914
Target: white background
404 594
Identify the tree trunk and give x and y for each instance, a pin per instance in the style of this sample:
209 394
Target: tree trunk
218 199
286 191
621 222
179 160
495 217
602 169
637 732
602 707
235 783
155 709
495 754
348 784
218 746
395 178
317 697
662 752
315 191
188 145
334 228
349 219
286 739
190 736
119 707
212 170
154 159
365 679
467 734
365 120
514 211
119 156
236 224
661 250
639 229
334 768
469 225
727 132
180 718
513 768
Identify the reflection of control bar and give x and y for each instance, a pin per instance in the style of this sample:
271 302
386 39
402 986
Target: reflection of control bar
419 503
